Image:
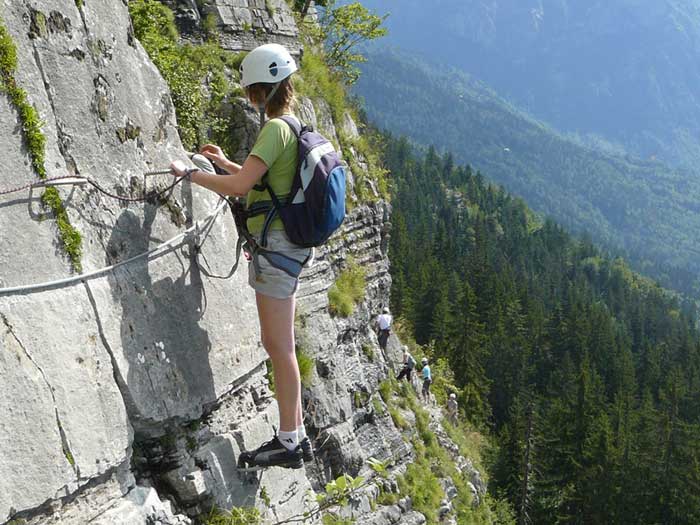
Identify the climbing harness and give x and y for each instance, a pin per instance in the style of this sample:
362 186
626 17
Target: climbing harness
248 244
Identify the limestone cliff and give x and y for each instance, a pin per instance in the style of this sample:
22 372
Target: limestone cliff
128 395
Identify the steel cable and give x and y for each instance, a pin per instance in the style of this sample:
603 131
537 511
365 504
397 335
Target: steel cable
205 225
93 183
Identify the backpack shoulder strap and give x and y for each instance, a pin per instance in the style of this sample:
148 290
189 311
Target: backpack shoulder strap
294 123
296 126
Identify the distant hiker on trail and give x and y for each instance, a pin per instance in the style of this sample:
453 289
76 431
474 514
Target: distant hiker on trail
452 409
384 323
408 365
265 73
427 380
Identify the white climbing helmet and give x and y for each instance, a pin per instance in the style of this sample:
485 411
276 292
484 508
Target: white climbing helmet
424 360
386 310
269 63
453 396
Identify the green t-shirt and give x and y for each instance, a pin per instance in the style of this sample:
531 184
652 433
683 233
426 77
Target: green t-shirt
276 146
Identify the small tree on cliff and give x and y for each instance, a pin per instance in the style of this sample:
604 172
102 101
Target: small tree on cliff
341 29
345 28
303 5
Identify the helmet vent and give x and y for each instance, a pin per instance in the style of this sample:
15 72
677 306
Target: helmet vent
273 69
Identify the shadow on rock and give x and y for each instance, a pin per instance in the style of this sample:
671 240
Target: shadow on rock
169 375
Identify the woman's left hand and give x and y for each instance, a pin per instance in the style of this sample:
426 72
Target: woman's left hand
214 153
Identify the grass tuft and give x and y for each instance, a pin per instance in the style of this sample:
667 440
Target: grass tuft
306 369
235 516
348 290
71 238
36 146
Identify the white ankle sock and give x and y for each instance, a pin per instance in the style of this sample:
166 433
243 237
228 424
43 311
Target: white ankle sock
290 440
301 433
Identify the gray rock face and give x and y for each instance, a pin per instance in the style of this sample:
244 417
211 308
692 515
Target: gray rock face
129 396
246 24
141 347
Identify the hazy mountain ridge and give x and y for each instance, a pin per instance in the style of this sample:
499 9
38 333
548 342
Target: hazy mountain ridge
645 207
625 70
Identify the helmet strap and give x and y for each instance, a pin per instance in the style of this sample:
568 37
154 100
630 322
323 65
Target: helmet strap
262 107
272 93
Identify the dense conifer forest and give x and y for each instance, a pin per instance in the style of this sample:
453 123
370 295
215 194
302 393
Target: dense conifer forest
586 374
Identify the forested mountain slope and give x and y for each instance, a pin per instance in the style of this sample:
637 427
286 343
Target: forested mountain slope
644 207
626 70
588 373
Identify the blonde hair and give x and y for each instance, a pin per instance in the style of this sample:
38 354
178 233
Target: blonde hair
280 101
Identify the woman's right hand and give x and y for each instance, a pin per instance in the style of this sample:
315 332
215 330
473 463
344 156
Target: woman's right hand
178 168
214 154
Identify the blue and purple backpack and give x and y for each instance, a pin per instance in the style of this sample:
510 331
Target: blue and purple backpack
316 204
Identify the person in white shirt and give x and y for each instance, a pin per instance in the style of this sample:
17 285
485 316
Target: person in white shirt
384 323
452 409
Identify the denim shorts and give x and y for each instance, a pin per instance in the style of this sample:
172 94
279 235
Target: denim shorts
271 281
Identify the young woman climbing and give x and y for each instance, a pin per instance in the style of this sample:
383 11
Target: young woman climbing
265 75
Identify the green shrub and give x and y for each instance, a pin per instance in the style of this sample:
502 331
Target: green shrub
8 54
331 519
361 398
369 353
470 442
348 290
209 25
443 381
368 146
357 399
185 69
265 497
316 81
343 28
387 498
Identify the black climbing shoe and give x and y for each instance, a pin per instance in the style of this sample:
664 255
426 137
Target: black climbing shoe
270 454
307 450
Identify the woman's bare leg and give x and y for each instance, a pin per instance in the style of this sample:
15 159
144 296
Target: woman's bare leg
277 333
